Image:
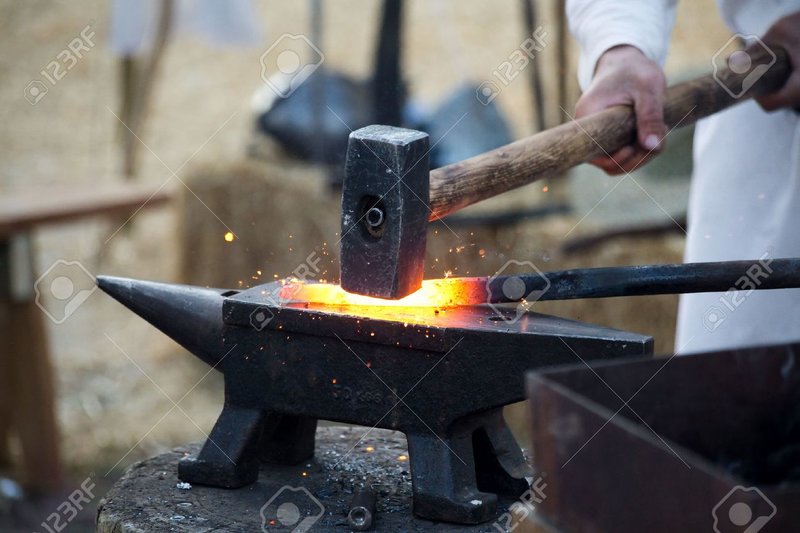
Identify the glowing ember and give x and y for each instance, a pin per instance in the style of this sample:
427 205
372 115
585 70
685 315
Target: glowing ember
229 236
438 293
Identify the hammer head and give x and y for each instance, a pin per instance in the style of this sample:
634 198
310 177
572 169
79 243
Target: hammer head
384 212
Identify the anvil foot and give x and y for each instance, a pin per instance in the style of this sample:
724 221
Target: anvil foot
500 465
229 457
443 478
457 478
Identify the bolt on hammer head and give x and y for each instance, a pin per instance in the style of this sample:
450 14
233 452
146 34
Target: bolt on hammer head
384 211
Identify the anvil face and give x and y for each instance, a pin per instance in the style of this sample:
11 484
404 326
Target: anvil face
442 379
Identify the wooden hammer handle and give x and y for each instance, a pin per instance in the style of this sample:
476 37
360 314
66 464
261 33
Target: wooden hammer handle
552 152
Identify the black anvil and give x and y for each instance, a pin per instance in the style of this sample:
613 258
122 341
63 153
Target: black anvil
441 377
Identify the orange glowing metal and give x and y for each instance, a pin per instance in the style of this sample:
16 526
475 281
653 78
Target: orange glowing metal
437 293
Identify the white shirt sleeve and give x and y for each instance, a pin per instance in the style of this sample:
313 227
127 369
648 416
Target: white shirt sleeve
602 24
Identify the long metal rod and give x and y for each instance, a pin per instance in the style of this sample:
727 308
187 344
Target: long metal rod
639 280
606 282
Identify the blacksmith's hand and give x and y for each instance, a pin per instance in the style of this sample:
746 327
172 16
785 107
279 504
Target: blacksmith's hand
786 34
625 76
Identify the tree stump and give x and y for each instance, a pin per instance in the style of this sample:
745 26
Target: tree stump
149 497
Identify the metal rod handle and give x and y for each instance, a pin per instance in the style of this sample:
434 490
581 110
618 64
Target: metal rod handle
758 274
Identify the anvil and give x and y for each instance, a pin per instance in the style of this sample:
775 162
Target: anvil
441 376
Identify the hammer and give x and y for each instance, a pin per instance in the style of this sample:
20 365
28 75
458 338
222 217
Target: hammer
389 194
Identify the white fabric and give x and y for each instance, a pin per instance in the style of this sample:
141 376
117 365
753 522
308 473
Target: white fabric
232 22
601 24
132 26
744 203
745 196
754 16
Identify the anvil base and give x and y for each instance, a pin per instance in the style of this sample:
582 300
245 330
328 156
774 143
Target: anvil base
147 499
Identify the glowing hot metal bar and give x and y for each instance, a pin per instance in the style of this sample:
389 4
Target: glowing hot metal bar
440 293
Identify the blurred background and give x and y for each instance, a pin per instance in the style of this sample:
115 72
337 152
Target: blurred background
174 141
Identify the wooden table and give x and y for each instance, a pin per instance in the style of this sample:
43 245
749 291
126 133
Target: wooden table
27 395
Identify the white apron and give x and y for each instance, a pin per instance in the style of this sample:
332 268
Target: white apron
744 204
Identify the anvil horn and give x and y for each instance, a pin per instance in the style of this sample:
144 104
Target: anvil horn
191 316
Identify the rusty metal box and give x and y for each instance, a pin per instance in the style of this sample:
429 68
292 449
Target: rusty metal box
707 442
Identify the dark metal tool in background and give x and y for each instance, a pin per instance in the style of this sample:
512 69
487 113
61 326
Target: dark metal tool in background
313 121
441 378
383 256
687 446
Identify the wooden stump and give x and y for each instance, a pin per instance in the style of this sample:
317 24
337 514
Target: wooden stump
147 498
